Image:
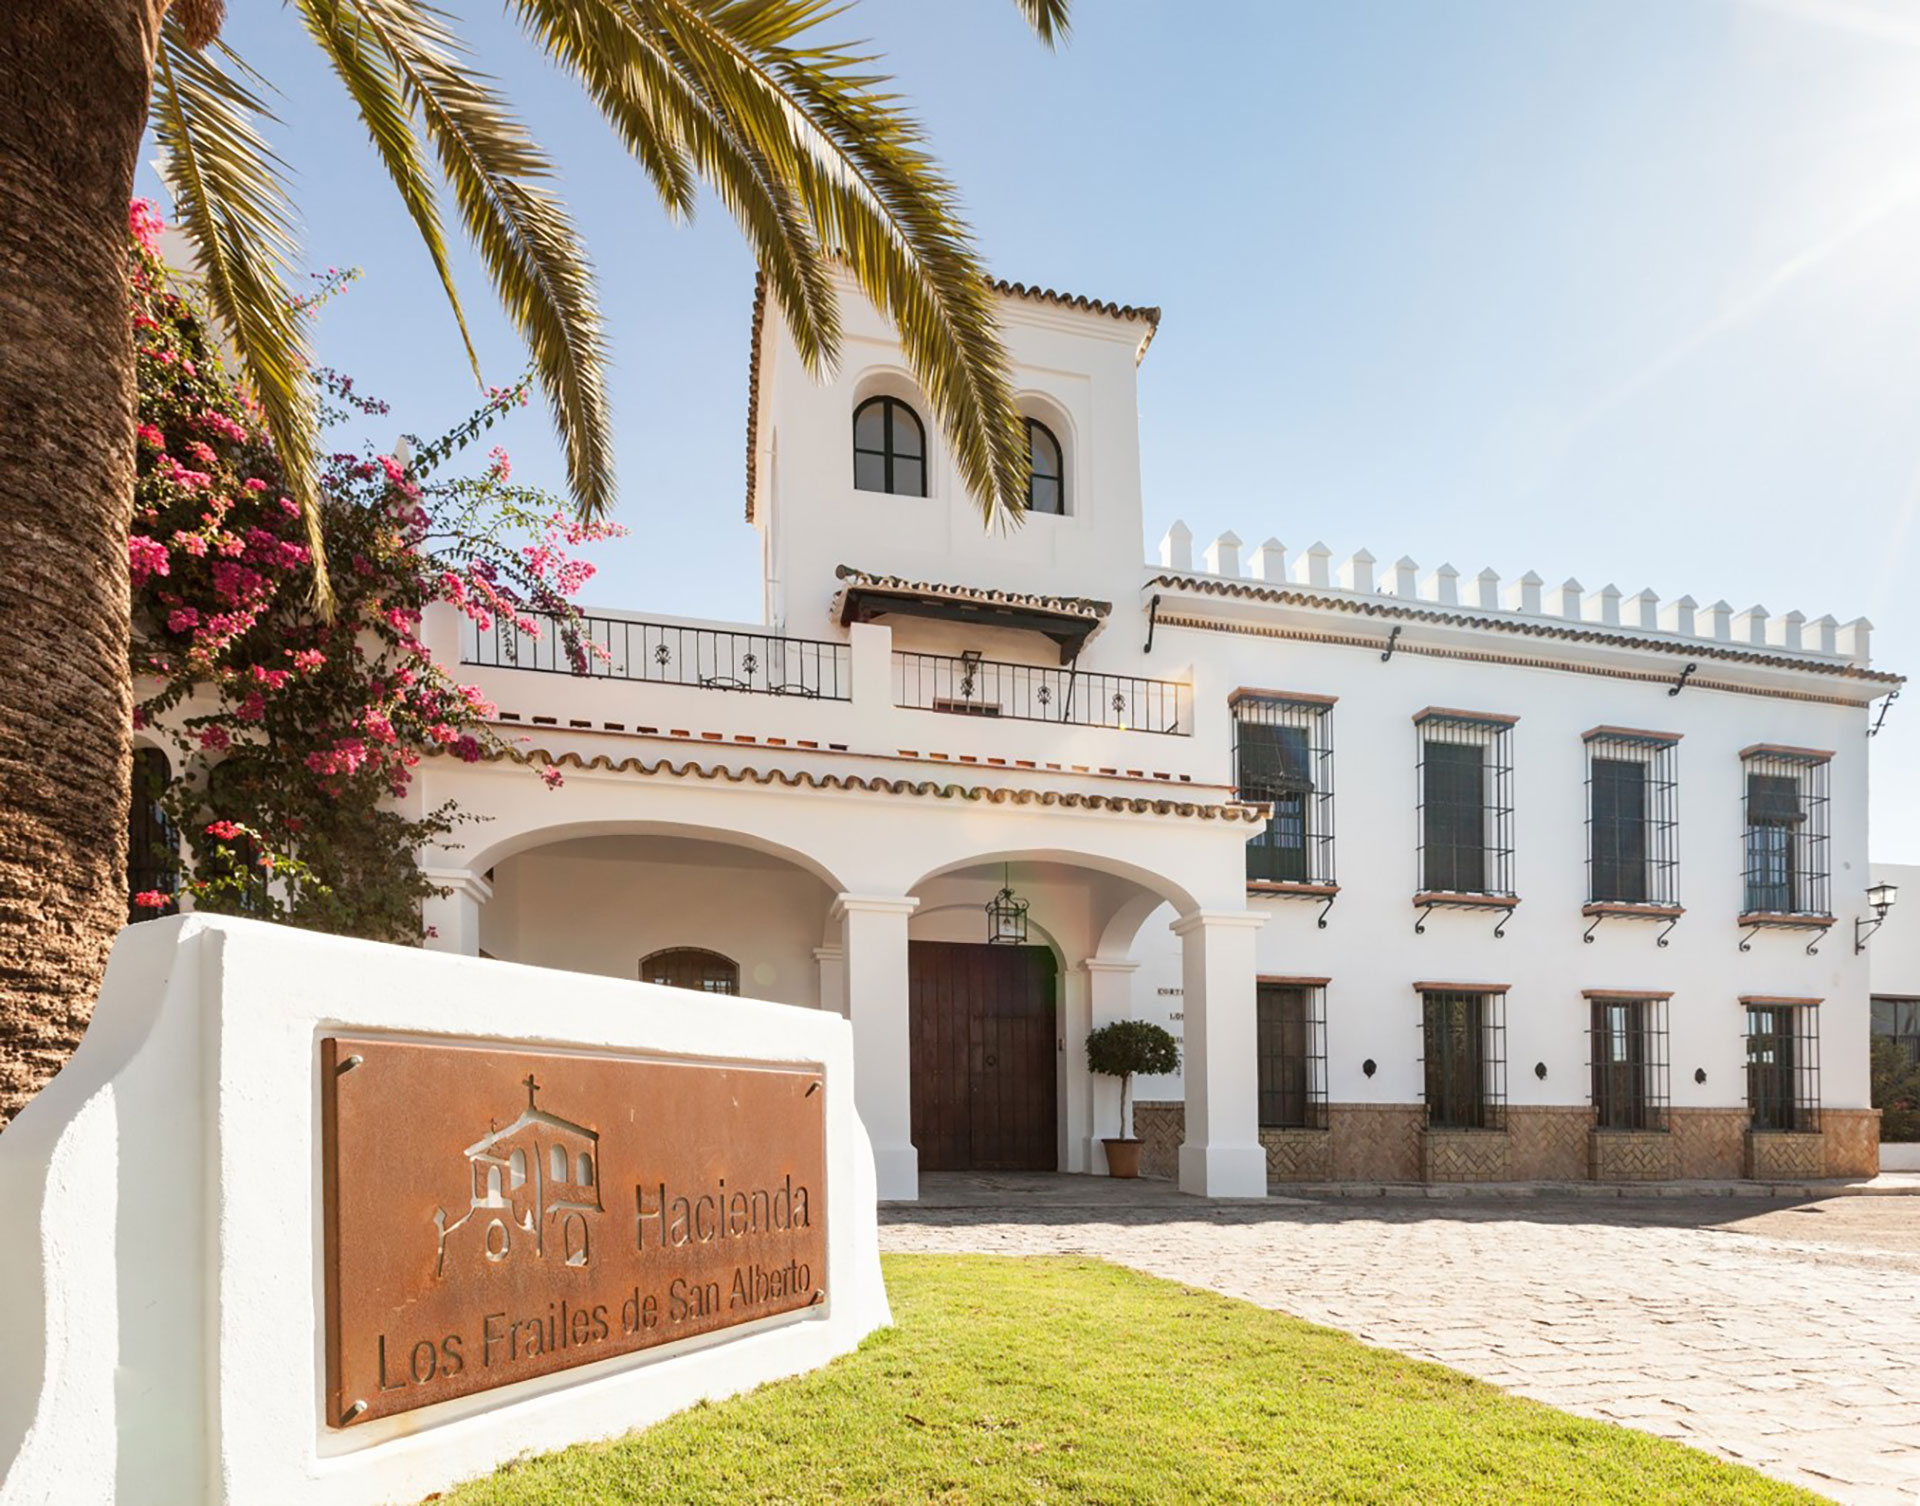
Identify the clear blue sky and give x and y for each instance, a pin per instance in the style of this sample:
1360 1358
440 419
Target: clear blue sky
1622 289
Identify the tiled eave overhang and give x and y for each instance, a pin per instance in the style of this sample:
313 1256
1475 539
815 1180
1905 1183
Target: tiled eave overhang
923 788
1150 317
1068 620
1239 605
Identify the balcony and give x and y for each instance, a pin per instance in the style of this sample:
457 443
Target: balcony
817 699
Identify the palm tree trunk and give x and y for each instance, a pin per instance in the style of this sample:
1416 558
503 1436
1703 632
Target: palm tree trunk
74 77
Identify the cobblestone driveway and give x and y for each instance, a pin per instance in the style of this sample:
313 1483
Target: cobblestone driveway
1783 1336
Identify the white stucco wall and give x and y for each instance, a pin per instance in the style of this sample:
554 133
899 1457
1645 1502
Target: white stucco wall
1893 952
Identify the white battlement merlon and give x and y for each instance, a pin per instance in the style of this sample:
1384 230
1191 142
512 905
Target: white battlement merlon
1603 606
1790 631
1856 640
1524 594
1317 566
1486 593
1678 616
1568 599
1357 573
1750 626
1406 578
1646 610
1223 555
1720 621
1270 562
1176 547
1826 630
1443 586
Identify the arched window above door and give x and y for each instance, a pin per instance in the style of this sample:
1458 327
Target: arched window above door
153 859
889 448
692 967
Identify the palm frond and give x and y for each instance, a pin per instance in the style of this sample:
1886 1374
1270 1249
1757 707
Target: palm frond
369 76
823 123
664 120
229 200
1048 18
522 231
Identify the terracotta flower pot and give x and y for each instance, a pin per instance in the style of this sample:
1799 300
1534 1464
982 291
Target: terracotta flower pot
1123 1157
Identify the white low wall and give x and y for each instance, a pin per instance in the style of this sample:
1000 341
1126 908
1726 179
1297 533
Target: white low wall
1901 1156
161 1225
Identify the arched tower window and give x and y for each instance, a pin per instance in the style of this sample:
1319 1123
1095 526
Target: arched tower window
690 967
1047 486
153 862
889 448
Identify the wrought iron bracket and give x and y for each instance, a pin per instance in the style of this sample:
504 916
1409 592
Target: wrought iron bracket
1681 684
1321 923
1813 946
1886 705
1500 931
1153 619
1746 941
1661 939
1420 925
1392 638
1587 935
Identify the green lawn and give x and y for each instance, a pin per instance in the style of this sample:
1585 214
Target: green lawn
1065 1380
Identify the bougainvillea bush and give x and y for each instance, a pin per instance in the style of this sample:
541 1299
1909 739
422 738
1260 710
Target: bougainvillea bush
296 733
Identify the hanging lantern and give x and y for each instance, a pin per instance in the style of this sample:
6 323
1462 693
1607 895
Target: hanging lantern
1007 917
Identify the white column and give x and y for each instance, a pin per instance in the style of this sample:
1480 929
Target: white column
452 920
874 941
1099 991
1222 1156
833 978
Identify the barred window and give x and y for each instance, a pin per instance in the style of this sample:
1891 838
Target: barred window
153 851
1465 1034
1785 821
1291 1042
1283 755
692 967
1629 1051
1633 828
1783 1064
1465 783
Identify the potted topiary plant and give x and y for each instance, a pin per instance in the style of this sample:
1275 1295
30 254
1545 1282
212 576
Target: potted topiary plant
1120 1050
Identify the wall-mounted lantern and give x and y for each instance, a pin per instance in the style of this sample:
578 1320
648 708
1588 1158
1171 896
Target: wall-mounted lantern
1881 898
1007 917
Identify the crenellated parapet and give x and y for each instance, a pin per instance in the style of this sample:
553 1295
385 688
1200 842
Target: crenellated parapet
1606 607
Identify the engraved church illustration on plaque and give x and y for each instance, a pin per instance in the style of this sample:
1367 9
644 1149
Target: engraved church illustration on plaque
532 1186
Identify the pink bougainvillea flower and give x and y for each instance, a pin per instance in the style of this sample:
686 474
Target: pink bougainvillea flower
182 620
215 738
150 435
226 831
146 558
152 899
553 777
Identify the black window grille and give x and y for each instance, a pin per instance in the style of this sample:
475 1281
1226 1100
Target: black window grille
692 967
244 885
1465 785
1785 821
1465 1058
1292 1047
1047 474
1897 1019
1633 823
889 448
1283 755
153 848
1783 1065
1629 1050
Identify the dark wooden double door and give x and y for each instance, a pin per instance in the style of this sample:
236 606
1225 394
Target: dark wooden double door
985 1083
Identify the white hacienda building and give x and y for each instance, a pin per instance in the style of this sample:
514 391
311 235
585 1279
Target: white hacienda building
1436 877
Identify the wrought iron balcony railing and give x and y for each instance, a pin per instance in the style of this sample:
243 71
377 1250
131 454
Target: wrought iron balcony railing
616 648
972 686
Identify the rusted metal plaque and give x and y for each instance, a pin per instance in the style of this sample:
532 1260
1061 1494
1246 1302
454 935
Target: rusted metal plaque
493 1215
